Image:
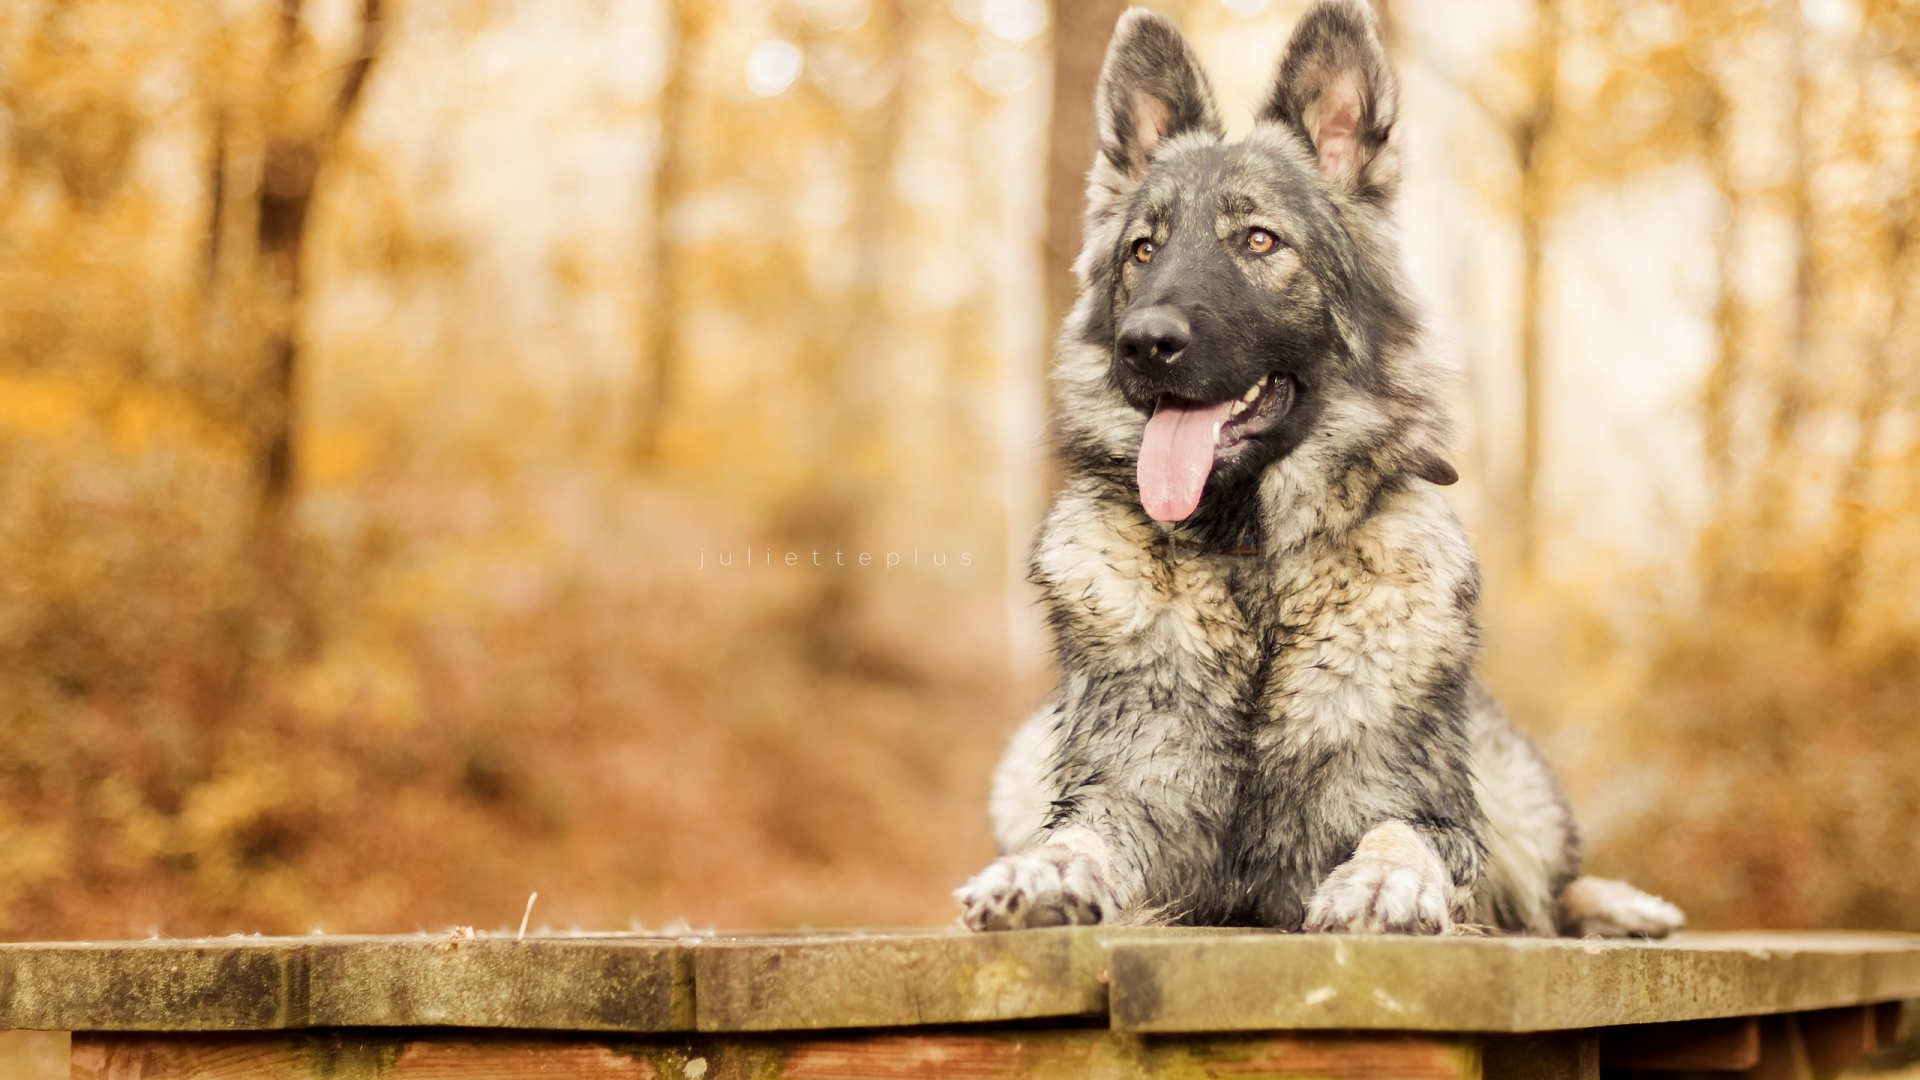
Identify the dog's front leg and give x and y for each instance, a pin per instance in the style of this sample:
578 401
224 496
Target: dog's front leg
1066 878
1395 883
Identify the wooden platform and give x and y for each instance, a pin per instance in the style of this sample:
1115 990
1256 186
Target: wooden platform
1080 1002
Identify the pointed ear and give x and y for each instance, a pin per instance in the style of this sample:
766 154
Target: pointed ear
1151 89
1336 90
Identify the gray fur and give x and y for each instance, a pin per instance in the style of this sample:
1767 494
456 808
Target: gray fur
1289 738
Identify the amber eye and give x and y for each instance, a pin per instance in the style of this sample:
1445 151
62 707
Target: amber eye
1143 251
1260 241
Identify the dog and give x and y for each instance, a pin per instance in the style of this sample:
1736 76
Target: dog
1262 606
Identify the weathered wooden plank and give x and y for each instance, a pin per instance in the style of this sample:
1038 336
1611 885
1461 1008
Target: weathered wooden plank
896 980
261 984
558 984
1281 982
1085 1054
1162 981
174 985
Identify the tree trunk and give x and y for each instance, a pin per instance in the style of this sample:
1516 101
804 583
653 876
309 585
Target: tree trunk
292 164
1081 29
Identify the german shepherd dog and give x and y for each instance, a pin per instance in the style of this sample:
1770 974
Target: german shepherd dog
1263 609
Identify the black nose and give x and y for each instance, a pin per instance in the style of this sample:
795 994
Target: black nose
1153 336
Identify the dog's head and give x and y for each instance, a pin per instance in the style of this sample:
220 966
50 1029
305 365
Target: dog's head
1243 301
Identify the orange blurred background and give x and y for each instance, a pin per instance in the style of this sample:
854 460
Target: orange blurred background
408 410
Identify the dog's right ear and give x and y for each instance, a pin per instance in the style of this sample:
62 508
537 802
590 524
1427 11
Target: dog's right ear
1151 89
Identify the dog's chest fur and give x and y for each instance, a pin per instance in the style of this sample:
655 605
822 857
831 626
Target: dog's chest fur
1261 707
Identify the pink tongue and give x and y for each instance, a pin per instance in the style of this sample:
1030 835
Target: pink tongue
1176 454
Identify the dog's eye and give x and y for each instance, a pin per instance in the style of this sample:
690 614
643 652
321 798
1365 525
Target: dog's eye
1143 251
1260 241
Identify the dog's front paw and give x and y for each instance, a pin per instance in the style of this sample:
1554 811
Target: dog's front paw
1598 907
1395 884
1050 885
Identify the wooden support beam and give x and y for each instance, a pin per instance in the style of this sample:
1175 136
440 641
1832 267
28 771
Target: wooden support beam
358 1055
1730 1044
1836 1038
1889 1022
998 1054
1551 1055
1783 1051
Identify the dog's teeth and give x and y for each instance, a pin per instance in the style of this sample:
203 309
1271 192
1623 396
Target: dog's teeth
1253 391
1238 408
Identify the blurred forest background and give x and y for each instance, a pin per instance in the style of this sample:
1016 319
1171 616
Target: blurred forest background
383 384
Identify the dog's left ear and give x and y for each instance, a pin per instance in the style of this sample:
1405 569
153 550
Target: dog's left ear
1151 89
1336 90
